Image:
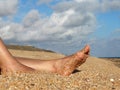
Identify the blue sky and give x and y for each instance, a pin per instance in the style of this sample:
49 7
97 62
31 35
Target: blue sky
110 21
64 26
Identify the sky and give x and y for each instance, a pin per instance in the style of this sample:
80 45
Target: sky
64 26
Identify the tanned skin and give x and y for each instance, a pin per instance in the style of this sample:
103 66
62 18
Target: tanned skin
63 66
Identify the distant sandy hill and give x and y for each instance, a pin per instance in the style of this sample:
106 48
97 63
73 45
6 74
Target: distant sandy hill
27 48
33 52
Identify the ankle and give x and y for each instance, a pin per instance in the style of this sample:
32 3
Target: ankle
57 65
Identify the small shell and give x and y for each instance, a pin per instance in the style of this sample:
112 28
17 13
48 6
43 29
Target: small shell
112 80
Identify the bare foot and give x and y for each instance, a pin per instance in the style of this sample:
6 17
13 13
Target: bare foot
68 64
14 67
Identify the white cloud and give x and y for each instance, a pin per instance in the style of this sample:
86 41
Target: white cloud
31 18
110 5
68 26
57 27
6 32
8 7
70 23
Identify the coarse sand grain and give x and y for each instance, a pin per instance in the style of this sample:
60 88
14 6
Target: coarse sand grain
95 74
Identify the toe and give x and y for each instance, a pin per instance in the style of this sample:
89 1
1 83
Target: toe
86 49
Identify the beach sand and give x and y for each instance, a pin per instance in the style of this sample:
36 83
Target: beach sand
95 74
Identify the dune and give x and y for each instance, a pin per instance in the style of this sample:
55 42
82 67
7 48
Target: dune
95 74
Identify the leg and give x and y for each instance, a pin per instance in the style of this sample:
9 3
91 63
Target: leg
64 66
37 64
8 63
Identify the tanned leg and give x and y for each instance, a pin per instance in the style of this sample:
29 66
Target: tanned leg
8 63
64 66
38 64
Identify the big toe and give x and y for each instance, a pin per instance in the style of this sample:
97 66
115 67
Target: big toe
86 49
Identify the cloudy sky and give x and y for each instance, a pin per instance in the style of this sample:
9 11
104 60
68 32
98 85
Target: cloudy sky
63 26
